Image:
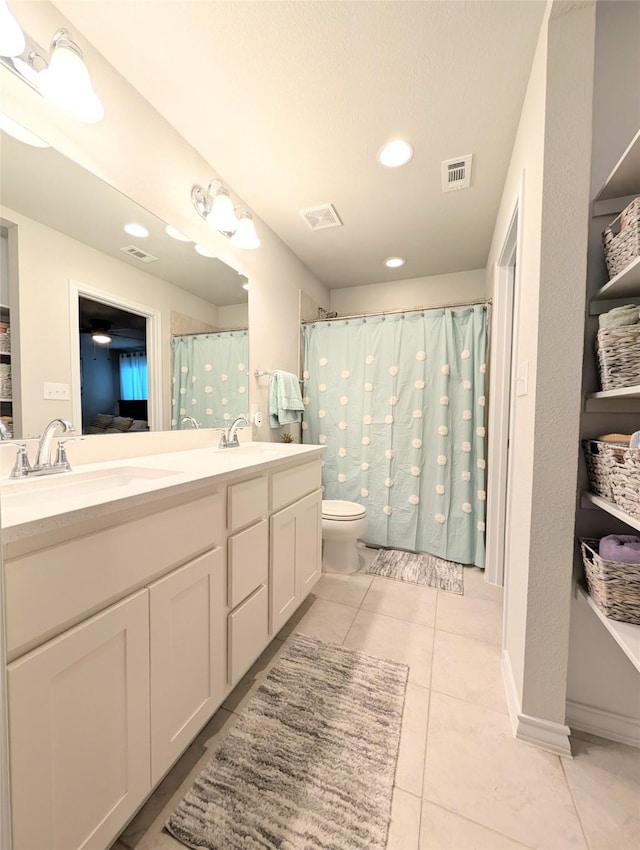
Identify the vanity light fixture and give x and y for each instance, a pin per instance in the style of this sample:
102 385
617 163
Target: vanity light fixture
12 39
245 235
394 262
215 206
62 79
134 229
395 153
12 128
174 233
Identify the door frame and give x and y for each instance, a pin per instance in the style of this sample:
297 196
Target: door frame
153 344
506 300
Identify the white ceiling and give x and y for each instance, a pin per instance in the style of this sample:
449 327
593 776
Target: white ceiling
290 101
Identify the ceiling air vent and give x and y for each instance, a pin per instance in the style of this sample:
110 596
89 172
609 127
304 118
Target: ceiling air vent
132 251
456 173
321 217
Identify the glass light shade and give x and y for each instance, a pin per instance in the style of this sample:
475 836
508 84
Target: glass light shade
20 133
12 40
222 215
395 153
101 338
246 236
66 83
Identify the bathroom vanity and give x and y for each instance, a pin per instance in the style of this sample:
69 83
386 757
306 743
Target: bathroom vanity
137 594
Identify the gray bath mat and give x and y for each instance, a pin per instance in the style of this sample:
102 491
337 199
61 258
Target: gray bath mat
311 761
418 568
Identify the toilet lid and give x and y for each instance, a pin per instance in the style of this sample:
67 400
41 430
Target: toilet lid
339 509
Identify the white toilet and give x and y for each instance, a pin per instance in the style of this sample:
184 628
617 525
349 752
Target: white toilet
342 524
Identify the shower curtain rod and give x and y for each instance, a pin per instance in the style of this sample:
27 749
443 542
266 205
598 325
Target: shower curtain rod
487 301
204 333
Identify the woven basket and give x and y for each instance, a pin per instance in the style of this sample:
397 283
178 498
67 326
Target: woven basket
622 239
618 351
603 459
614 587
625 483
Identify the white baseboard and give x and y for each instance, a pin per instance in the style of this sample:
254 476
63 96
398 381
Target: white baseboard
605 724
545 734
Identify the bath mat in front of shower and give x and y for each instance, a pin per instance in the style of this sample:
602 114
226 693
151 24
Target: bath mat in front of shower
418 568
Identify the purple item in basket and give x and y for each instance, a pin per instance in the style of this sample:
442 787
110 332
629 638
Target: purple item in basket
623 548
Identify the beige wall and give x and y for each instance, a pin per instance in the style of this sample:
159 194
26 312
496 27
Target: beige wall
47 261
413 292
551 158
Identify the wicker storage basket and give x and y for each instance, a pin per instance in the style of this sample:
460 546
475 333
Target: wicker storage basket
614 587
625 483
622 239
603 459
618 351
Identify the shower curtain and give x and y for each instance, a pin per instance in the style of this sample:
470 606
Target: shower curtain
210 378
399 402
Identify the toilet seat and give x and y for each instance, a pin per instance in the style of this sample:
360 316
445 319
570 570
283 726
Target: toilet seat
339 510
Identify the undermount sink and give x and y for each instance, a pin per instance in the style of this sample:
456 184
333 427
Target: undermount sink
71 484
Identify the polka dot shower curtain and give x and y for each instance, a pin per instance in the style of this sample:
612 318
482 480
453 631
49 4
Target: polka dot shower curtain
399 402
210 378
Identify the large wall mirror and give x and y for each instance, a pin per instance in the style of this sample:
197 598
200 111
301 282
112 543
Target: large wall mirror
115 331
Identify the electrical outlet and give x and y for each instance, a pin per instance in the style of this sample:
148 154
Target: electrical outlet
60 392
257 419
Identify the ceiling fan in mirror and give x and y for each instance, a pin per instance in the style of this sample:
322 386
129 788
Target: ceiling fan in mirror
103 332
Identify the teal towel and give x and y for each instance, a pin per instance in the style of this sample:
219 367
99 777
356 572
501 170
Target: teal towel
620 316
285 399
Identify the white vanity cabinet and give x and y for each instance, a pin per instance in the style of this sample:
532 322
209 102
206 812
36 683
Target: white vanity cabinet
126 631
79 731
296 540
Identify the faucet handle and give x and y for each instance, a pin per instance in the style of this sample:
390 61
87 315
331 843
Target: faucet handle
21 466
61 452
223 440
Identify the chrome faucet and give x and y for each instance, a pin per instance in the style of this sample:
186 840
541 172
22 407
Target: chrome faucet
189 419
43 466
229 440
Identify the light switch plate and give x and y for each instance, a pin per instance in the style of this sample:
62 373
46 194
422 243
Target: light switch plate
56 391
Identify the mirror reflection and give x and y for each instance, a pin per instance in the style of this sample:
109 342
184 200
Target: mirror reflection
72 276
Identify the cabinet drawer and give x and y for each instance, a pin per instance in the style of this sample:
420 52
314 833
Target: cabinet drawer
248 501
51 589
248 633
292 484
248 561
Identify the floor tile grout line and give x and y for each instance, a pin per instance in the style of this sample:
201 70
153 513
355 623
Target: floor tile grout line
575 805
426 733
477 823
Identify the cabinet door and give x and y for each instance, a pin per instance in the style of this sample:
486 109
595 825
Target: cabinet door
187 629
308 543
248 633
79 731
296 549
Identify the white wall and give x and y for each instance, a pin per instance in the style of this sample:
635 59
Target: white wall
47 261
552 149
413 292
143 156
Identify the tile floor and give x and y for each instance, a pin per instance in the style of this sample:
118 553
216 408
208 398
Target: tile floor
462 781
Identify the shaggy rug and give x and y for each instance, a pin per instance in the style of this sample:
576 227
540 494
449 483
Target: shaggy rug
418 568
310 764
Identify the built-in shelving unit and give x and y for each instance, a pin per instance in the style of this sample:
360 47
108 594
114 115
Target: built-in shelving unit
622 185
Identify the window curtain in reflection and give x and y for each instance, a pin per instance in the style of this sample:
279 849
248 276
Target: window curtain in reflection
399 402
210 377
134 382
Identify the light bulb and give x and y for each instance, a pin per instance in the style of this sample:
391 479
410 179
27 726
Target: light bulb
246 236
12 40
66 82
222 215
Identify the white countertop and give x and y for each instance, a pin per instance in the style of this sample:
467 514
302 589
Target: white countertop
39 504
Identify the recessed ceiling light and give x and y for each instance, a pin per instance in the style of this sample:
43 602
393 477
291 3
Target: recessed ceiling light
205 252
395 153
134 229
175 234
394 262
